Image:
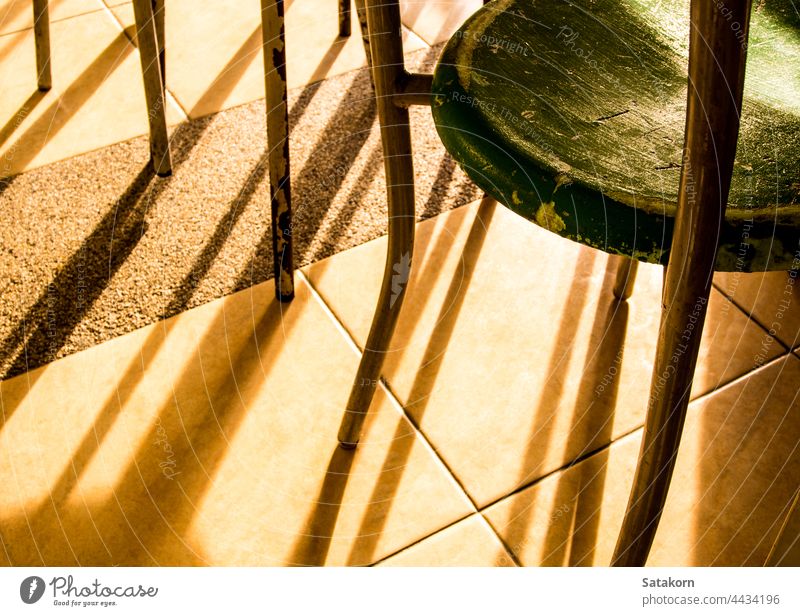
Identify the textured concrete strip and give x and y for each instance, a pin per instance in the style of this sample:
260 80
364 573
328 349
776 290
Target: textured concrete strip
94 247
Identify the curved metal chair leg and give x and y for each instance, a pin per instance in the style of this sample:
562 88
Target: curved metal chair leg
384 26
153 85
387 312
669 398
41 34
274 49
626 276
716 77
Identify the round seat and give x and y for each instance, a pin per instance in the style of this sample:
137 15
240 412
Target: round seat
572 115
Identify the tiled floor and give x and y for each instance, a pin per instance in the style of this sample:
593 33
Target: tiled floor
527 379
507 433
97 97
148 248
16 15
209 438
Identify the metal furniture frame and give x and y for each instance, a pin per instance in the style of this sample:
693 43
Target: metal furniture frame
150 17
716 77
275 86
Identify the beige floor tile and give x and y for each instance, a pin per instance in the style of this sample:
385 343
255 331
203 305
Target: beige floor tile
469 543
210 438
772 298
511 353
735 477
17 15
97 97
214 56
436 20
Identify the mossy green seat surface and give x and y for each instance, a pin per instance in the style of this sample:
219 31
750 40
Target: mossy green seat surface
572 115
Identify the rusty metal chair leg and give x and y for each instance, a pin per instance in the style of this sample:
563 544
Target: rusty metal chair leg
274 49
344 24
41 34
716 77
626 276
384 26
344 18
361 11
153 86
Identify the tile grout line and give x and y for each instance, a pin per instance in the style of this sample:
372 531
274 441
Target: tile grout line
630 432
509 553
186 115
424 538
394 399
426 44
294 90
106 7
329 312
750 316
56 20
385 387
512 555
480 510
168 94
565 467
395 402
780 357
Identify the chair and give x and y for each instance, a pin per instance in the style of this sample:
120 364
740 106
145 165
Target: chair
577 117
274 51
149 16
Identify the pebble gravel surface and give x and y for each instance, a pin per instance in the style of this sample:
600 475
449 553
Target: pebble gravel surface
95 246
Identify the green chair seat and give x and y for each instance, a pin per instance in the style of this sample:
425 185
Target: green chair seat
573 117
